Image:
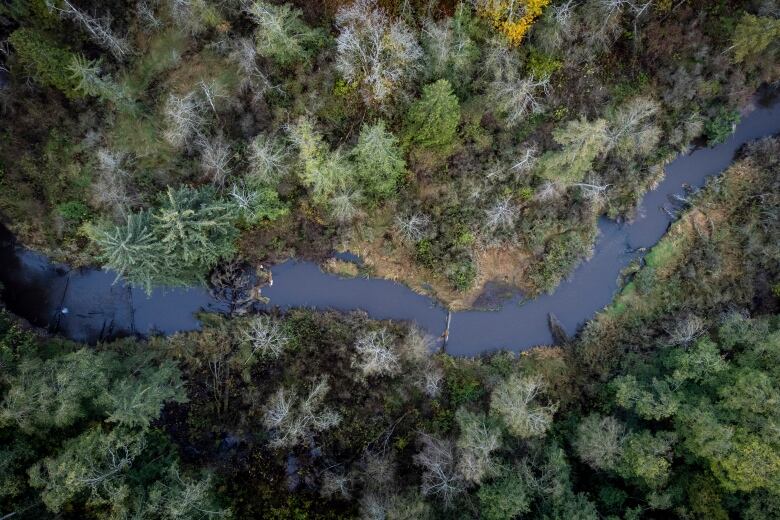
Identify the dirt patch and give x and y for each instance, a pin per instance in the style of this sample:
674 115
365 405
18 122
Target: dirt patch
503 266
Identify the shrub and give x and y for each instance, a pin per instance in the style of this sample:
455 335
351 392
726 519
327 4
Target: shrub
720 127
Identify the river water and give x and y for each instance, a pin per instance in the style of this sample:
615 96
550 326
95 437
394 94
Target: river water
96 306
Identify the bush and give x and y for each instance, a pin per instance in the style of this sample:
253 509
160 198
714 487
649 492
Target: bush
73 211
721 126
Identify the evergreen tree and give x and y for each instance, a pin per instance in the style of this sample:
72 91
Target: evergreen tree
432 121
581 141
379 163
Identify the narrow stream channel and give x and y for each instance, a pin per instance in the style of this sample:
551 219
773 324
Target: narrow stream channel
97 308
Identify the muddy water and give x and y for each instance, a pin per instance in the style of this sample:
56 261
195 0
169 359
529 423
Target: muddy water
87 304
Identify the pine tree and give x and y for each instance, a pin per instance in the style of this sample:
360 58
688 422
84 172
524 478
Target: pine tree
379 163
432 121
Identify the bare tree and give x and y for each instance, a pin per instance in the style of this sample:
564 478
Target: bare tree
432 378
335 485
517 98
99 29
375 354
514 96
183 118
293 420
440 477
501 215
244 55
111 190
213 92
686 331
215 157
413 227
631 130
371 49
265 338
268 159
417 345
517 400
526 160
549 190
476 442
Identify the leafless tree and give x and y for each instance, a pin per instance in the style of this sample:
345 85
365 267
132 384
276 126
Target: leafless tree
183 118
111 188
147 17
631 130
526 160
335 485
519 97
562 13
475 444
213 92
373 50
99 29
440 477
517 400
244 54
265 338
501 215
432 378
417 346
268 158
548 191
413 227
293 420
375 354
215 157
686 331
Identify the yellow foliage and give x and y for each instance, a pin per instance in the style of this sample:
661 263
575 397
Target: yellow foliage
512 17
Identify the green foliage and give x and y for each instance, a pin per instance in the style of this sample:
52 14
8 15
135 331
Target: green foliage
281 35
195 230
74 211
323 171
44 60
721 126
258 204
55 393
541 65
504 498
581 141
753 35
462 275
379 163
432 120
177 244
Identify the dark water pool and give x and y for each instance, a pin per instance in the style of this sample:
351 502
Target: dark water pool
95 307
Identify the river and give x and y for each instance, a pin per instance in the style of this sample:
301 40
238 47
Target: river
98 307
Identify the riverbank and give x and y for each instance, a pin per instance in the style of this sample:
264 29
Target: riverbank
99 308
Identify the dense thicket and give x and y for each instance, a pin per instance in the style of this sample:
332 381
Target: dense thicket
430 135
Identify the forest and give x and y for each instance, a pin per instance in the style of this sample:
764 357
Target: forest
448 144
